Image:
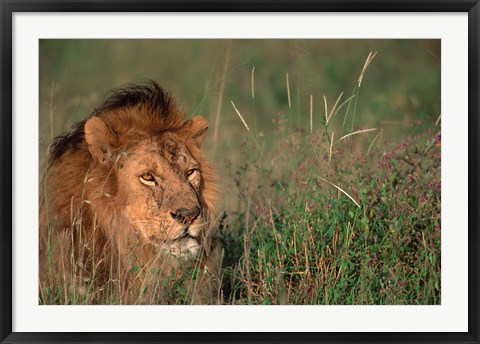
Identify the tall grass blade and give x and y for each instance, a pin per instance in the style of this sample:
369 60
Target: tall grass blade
341 190
370 57
253 83
311 114
253 102
240 115
332 112
51 109
245 124
288 91
357 132
373 141
331 146
326 109
220 97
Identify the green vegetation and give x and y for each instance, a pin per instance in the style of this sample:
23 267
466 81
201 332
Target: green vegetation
329 157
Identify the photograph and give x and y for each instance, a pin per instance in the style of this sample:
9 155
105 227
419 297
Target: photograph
239 172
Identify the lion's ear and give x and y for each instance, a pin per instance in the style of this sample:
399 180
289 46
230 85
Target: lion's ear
100 138
197 127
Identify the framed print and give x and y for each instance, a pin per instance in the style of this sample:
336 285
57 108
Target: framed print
250 171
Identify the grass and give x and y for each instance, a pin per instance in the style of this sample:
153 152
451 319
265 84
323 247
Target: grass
358 230
331 198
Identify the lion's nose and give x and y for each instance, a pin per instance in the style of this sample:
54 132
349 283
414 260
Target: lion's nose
184 215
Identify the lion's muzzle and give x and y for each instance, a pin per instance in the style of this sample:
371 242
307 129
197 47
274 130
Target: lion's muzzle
185 216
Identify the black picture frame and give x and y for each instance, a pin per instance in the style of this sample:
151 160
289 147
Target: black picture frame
8 7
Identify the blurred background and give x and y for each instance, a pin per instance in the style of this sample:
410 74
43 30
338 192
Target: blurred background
400 92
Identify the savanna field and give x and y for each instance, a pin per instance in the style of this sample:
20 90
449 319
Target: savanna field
328 153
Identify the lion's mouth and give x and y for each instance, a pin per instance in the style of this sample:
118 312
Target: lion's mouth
177 239
186 235
184 245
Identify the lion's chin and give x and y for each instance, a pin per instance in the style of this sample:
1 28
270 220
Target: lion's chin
185 248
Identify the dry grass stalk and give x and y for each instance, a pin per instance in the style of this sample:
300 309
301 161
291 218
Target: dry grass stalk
326 109
220 96
245 124
240 115
288 92
331 146
357 132
253 83
370 57
311 114
341 190
51 109
336 108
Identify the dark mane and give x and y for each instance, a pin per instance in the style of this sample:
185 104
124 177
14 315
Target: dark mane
72 138
150 95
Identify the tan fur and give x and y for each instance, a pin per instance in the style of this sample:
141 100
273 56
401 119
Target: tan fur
115 189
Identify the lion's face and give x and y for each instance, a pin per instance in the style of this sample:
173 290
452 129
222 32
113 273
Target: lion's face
158 180
161 186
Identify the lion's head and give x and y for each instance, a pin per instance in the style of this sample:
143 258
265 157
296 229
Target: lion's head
133 179
160 180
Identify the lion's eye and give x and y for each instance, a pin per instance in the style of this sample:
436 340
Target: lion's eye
190 173
148 179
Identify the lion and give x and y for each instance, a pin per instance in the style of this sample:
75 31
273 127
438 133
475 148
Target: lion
129 198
